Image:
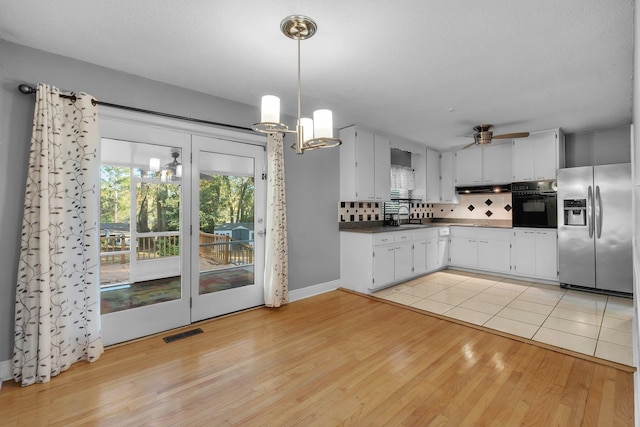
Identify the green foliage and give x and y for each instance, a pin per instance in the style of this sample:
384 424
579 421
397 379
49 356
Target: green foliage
223 199
114 194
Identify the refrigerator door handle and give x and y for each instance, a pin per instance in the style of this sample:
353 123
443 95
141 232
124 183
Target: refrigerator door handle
590 211
598 210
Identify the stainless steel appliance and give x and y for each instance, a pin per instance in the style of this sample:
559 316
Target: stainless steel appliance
594 234
535 204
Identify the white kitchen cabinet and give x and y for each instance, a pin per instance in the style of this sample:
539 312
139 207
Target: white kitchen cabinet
538 156
442 259
431 253
403 261
437 253
419 166
384 258
419 252
365 166
382 169
524 252
463 251
535 253
487 249
547 254
494 250
433 177
490 164
496 163
468 166
447 181
372 261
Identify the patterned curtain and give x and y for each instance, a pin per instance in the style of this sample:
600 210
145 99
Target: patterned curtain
57 317
276 274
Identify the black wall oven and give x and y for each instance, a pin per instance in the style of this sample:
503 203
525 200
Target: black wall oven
535 204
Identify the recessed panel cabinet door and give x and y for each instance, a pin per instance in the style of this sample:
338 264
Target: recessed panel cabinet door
464 252
525 253
382 168
420 256
365 169
547 254
468 166
403 260
496 164
383 265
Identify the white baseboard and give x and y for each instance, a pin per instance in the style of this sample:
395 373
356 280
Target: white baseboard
309 291
5 371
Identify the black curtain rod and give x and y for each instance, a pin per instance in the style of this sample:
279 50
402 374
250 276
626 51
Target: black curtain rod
28 90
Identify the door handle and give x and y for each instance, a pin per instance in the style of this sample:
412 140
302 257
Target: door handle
590 210
598 210
262 233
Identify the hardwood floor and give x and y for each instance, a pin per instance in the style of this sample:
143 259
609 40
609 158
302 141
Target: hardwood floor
336 358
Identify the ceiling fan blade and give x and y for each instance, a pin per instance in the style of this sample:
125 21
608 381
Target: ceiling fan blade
469 145
511 135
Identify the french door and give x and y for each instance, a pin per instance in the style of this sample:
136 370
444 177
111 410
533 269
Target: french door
181 228
228 189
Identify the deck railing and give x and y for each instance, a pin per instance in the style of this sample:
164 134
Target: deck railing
214 247
224 250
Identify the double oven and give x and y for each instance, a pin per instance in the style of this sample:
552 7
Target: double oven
535 204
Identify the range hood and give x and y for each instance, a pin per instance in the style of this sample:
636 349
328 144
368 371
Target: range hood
484 189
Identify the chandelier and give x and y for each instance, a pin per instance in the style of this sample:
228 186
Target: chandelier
313 133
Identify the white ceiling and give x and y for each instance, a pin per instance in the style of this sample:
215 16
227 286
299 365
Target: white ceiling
424 70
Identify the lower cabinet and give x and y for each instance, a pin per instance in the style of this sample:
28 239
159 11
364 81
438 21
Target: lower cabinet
486 249
535 253
371 261
420 260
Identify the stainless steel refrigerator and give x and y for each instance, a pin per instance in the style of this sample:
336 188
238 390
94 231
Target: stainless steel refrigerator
595 227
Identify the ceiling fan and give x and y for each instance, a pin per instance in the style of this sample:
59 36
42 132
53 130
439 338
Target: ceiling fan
483 135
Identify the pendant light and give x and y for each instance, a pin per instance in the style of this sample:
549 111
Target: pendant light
310 133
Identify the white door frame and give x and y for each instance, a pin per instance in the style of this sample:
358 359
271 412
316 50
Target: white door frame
142 127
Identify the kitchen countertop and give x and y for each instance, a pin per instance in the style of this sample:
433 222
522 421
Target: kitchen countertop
379 228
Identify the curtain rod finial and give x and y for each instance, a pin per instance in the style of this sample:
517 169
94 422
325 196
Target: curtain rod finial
26 89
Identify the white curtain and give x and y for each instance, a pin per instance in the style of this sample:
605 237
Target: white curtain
402 178
57 316
276 274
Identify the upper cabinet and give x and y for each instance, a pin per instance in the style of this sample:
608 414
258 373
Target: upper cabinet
447 181
419 165
496 163
489 164
365 165
538 156
468 166
433 177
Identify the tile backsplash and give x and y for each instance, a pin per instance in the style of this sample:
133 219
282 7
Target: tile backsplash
359 211
373 211
472 206
477 206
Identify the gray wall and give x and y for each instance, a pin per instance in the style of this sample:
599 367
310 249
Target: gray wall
601 147
312 179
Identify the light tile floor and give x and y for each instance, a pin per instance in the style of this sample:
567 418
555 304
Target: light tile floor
593 324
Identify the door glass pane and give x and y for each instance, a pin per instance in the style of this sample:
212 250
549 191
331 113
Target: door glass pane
139 259
226 213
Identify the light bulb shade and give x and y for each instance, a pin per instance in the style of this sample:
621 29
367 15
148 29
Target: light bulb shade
307 128
179 171
270 109
322 124
154 164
